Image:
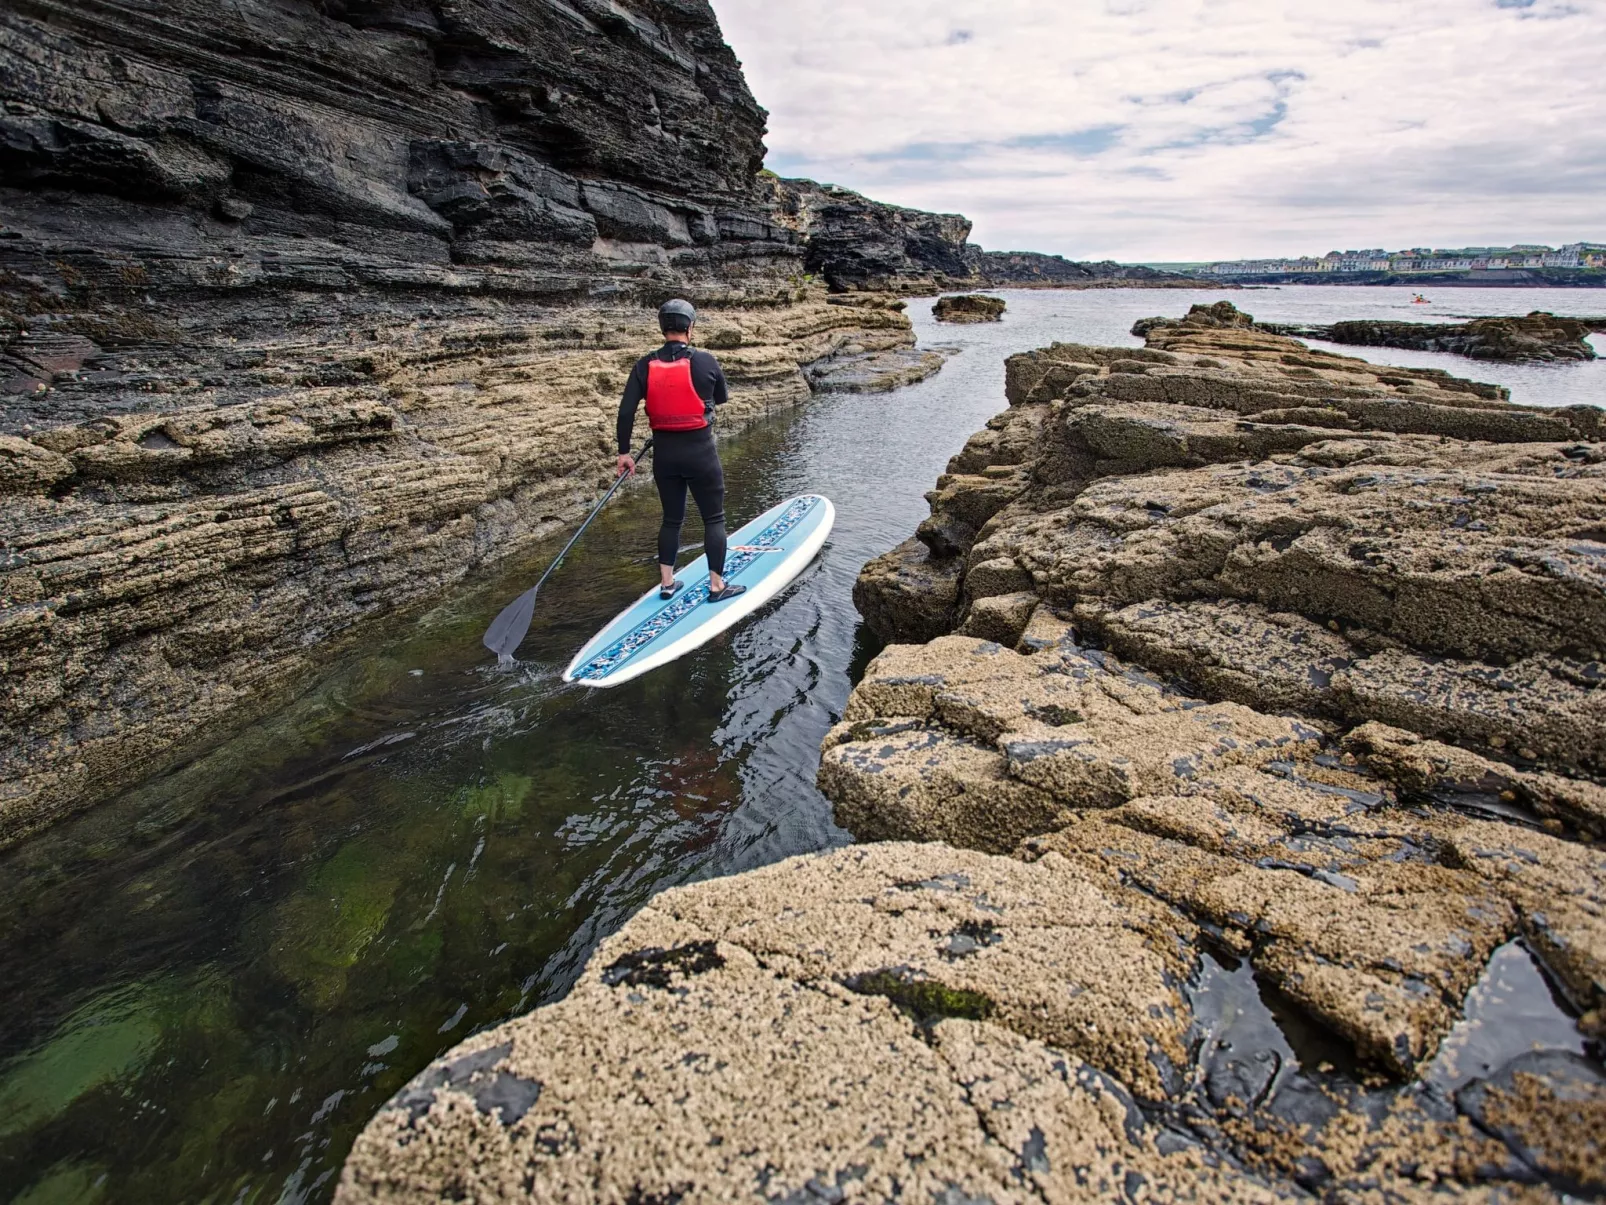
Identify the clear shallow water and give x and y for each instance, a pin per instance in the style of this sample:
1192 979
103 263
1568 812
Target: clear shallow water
214 980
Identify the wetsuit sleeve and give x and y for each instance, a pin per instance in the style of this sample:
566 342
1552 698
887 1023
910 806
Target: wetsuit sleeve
722 392
635 391
710 379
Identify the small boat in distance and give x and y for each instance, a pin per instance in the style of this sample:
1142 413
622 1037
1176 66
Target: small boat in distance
1418 299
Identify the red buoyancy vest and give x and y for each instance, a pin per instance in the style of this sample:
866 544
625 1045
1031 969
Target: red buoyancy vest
672 401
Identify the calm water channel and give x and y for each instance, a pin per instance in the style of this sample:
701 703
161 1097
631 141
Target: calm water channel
212 982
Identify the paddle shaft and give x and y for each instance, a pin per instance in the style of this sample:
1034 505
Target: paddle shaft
508 630
597 510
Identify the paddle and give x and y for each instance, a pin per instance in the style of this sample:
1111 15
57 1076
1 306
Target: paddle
508 630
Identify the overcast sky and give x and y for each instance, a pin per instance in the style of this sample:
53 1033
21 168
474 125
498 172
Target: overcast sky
1192 129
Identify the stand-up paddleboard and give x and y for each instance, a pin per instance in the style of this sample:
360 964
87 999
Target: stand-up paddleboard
764 556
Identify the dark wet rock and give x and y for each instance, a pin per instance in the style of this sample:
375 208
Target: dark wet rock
909 594
1550 1108
659 968
969 307
1244 1080
1540 337
1451 774
501 1094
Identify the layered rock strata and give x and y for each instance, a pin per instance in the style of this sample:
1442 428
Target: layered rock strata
177 568
1538 338
1253 746
309 311
969 307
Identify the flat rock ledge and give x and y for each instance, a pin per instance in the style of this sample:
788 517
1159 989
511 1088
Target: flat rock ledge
1539 337
857 370
1243 711
916 1022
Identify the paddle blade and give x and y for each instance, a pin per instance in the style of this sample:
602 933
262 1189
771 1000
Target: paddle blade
508 630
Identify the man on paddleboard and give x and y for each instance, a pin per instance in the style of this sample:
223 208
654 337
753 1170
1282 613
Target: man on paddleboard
681 388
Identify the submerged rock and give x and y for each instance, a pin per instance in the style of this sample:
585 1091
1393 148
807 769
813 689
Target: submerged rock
969 307
855 370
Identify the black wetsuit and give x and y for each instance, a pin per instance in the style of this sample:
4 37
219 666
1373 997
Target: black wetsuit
683 460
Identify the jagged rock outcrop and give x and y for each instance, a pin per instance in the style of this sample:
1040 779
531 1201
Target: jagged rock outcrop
969 307
1219 315
855 243
1538 338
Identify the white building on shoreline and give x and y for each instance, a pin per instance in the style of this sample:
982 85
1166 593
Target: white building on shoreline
1420 259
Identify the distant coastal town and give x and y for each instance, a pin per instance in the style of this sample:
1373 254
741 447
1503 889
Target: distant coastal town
1578 256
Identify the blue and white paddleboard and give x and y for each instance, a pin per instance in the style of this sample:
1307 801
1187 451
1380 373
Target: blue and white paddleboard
764 556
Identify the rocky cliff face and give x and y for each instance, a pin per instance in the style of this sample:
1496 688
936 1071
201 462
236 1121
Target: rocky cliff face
1256 746
531 148
308 310
856 243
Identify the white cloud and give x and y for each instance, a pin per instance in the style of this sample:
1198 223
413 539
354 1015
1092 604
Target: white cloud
1188 129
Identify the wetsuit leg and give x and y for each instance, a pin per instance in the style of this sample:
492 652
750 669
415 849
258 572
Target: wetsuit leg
685 459
672 493
708 491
